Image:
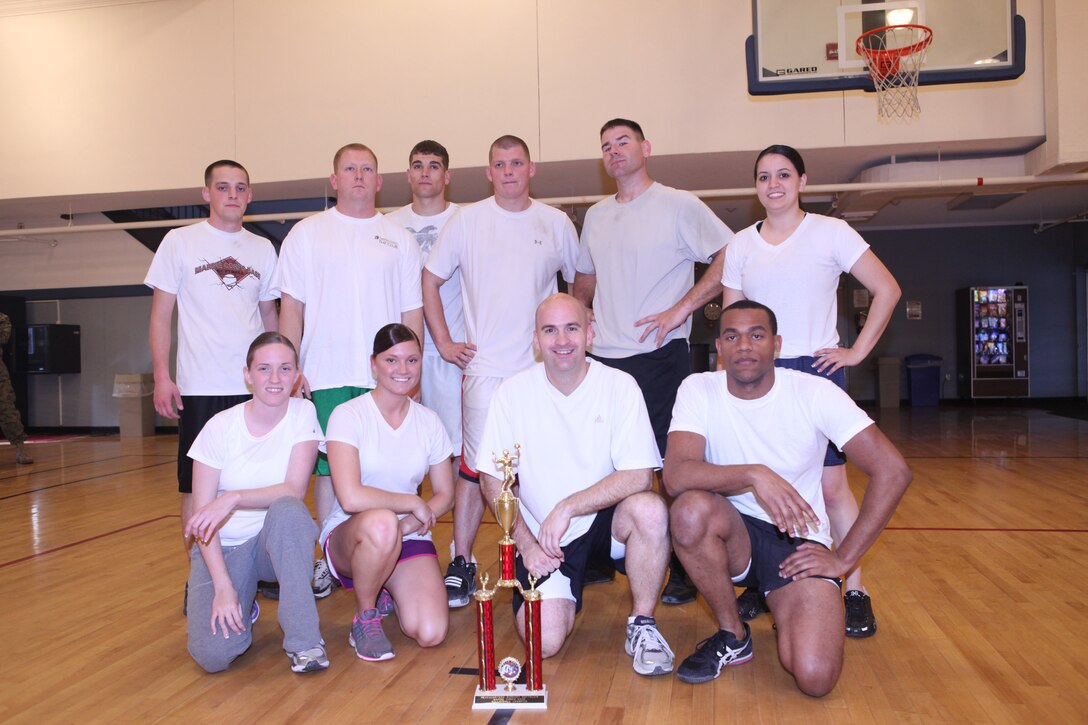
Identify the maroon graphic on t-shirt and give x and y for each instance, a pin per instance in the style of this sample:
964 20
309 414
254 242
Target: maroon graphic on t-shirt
230 271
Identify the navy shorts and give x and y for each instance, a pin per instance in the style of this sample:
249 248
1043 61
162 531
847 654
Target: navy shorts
198 410
833 457
770 547
594 545
658 374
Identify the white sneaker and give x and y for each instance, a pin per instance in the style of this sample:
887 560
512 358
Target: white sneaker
323 581
310 660
652 654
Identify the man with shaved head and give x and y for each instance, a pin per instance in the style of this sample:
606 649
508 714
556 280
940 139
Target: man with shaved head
585 472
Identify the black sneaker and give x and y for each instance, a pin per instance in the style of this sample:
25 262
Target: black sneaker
721 649
460 582
678 589
860 621
751 604
269 590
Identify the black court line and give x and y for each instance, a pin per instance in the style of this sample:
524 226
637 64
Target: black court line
474 671
89 478
501 717
87 540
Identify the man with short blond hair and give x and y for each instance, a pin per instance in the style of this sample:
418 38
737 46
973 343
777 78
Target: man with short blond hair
344 274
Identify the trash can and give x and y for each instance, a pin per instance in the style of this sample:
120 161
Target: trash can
923 379
887 374
136 403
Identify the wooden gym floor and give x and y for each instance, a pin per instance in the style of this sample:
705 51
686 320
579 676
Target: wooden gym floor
978 585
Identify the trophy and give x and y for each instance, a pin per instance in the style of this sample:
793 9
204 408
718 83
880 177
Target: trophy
512 696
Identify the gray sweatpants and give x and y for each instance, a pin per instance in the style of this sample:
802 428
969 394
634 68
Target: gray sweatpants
282 552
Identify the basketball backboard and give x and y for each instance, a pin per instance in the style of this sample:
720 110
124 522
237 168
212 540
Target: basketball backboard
800 46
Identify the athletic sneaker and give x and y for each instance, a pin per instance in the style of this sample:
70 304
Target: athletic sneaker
323 580
652 653
679 589
269 590
255 613
860 621
368 638
460 582
385 603
310 660
721 649
751 604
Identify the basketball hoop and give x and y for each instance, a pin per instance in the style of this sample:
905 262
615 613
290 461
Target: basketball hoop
895 54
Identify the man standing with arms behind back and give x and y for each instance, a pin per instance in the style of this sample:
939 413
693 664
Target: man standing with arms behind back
220 277
638 255
344 274
508 249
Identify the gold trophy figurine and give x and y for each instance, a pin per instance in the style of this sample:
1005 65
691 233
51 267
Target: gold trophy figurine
506 512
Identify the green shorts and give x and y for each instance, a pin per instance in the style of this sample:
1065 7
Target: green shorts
326 401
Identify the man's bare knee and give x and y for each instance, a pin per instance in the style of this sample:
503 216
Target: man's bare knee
815 676
689 517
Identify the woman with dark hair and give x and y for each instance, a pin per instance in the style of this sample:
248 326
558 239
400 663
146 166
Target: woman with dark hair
377 540
251 469
791 262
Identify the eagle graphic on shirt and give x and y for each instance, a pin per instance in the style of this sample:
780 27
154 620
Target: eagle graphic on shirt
425 237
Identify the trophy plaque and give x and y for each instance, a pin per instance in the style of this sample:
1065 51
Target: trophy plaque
533 695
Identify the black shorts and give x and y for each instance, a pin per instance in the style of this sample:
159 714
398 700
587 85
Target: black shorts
197 410
770 547
833 456
658 374
594 545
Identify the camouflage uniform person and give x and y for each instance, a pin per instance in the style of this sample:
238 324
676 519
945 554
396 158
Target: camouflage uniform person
10 424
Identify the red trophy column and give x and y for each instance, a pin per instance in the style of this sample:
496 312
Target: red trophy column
485 637
534 670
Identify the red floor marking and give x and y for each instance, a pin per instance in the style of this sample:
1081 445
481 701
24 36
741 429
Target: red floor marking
84 541
985 531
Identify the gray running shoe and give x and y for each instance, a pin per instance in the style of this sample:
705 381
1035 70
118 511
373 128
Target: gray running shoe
368 638
652 654
310 660
385 605
323 580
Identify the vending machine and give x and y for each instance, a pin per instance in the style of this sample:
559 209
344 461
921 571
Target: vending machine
994 343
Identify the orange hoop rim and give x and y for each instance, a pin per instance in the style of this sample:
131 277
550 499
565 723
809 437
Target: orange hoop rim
885 54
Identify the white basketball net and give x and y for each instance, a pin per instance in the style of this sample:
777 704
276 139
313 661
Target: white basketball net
895 55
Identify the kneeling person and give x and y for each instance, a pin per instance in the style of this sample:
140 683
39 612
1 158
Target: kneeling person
377 540
745 458
251 469
587 455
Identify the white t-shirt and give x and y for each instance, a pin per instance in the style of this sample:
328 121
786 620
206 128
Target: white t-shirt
568 443
643 253
354 276
798 278
786 430
508 263
218 278
247 461
394 460
425 230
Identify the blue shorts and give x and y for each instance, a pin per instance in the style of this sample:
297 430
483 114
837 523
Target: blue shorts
833 456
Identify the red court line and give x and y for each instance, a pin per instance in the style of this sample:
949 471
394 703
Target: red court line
982 530
88 540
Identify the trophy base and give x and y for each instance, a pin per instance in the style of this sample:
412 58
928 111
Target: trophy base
519 698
